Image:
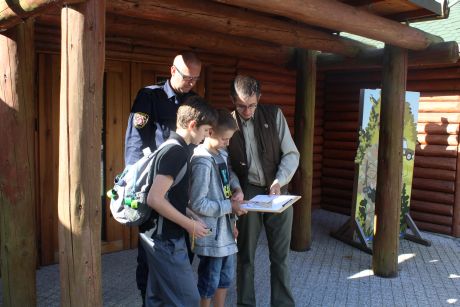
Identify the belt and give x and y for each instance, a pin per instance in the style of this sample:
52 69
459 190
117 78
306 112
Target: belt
258 186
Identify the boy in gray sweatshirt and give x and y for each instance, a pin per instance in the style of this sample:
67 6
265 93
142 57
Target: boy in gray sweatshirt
215 196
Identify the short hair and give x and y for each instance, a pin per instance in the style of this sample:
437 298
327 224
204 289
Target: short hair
225 121
187 58
197 109
245 86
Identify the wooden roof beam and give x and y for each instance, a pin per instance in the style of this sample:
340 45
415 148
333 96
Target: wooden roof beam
230 20
338 16
13 12
189 38
200 39
436 54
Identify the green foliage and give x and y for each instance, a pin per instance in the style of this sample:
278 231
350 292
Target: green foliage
410 127
362 212
404 207
368 135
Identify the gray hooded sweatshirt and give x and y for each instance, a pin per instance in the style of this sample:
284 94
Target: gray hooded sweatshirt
207 200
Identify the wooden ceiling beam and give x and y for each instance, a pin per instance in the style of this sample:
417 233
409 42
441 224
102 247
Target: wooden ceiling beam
338 16
234 21
436 54
13 12
190 38
119 26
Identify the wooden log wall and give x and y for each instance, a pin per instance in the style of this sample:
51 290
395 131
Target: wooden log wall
435 184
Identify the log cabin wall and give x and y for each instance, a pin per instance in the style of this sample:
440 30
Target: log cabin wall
435 206
127 69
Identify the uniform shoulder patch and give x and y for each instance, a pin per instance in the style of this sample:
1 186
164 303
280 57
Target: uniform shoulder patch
140 120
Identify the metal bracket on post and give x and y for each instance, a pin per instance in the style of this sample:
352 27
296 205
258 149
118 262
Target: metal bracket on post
415 236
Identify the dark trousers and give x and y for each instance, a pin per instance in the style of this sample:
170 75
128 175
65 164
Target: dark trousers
278 230
171 281
142 269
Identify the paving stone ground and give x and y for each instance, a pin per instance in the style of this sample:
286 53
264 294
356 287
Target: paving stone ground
330 274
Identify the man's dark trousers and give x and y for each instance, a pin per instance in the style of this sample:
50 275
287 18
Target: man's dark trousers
278 229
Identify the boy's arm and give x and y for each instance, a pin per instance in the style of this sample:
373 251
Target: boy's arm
199 188
237 192
157 200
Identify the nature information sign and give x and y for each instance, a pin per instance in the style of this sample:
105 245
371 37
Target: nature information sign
367 154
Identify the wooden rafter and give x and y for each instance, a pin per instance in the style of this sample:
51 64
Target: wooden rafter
234 21
118 26
436 54
338 16
13 12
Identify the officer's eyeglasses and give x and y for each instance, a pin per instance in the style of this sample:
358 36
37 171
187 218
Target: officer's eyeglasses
185 77
242 108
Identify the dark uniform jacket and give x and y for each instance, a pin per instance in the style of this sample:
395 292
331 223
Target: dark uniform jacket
152 118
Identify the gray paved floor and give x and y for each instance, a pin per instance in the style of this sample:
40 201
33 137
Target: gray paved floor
330 274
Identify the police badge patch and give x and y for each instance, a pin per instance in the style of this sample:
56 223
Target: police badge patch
140 120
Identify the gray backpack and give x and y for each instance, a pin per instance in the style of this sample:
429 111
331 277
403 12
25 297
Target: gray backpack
128 196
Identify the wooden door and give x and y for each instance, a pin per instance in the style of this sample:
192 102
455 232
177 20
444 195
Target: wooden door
49 67
117 102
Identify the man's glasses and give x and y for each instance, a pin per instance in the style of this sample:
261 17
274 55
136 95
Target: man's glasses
185 77
242 108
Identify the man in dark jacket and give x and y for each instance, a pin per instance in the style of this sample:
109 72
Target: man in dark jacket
152 118
264 157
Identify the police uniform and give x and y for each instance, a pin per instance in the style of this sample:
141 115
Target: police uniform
152 118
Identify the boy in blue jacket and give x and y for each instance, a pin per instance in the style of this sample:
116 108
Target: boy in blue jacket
215 196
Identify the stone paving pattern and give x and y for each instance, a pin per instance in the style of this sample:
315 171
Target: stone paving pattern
330 274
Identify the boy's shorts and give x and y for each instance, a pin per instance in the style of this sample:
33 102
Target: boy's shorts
213 273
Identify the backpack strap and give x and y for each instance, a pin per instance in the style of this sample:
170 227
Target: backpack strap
158 225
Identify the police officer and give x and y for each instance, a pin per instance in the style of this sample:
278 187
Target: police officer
152 117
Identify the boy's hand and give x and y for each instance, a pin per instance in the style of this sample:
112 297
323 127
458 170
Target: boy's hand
237 195
236 207
197 229
235 232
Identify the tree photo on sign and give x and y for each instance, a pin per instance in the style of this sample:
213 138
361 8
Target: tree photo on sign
367 158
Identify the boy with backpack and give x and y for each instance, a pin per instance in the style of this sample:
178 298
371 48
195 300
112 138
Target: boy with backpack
171 280
214 195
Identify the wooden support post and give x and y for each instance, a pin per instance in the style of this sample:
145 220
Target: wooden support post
304 134
79 196
389 174
17 166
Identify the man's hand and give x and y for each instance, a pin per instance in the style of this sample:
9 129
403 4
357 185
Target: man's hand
275 188
236 207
